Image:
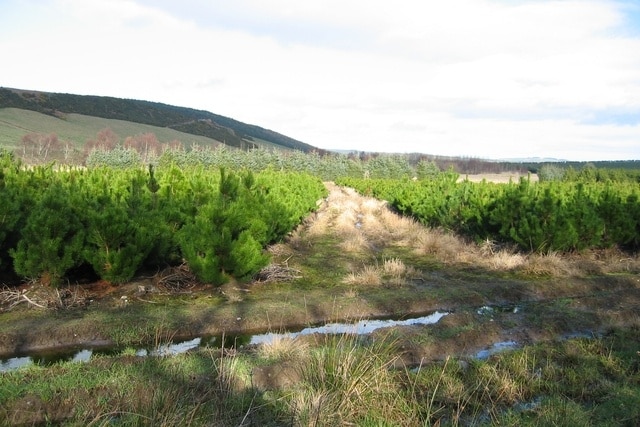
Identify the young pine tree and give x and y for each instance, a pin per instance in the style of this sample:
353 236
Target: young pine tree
116 244
225 238
52 240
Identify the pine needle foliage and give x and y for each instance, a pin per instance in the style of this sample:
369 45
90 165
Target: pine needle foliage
543 217
119 221
52 239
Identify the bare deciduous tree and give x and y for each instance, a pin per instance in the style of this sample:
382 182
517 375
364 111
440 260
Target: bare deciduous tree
38 146
146 144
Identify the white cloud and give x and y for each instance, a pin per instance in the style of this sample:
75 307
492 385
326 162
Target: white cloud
487 78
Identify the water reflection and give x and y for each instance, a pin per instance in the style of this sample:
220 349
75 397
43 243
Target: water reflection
14 363
360 328
170 348
225 341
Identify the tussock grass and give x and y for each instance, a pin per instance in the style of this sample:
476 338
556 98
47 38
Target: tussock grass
392 271
284 348
505 260
394 267
354 241
348 381
342 380
444 246
346 220
550 264
607 261
575 382
368 276
396 271
366 228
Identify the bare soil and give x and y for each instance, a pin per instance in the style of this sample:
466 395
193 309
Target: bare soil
352 259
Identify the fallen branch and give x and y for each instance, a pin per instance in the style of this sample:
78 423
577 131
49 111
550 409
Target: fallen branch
176 279
42 297
278 273
10 297
32 302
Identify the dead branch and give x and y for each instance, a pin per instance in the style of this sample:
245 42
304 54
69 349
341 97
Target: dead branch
176 279
32 302
10 297
42 297
278 273
68 298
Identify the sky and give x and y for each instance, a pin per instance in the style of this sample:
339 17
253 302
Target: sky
490 79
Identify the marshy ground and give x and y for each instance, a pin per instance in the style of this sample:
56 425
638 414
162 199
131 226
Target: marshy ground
352 259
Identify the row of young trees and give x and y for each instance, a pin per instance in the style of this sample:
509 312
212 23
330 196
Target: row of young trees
587 173
108 149
327 167
541 217
119 221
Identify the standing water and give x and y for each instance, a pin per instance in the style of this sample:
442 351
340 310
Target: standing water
82 355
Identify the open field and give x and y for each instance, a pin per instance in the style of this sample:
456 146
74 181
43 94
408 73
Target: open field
353 259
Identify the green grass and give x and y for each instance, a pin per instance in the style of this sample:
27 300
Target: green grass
561 315
345 380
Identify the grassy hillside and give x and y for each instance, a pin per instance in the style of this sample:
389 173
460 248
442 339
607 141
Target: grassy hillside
186 120
78 128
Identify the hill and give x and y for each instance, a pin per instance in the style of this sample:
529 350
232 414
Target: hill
77 128
186 120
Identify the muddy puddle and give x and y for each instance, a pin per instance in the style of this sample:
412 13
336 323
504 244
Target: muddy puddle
362 327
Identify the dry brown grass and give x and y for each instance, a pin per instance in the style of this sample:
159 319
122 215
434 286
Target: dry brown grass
551 264
394 267
321 223
396 272
367 225
354 241
284 348
607 261
350 293
392 272
367 276
443 245
280 250
505 260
